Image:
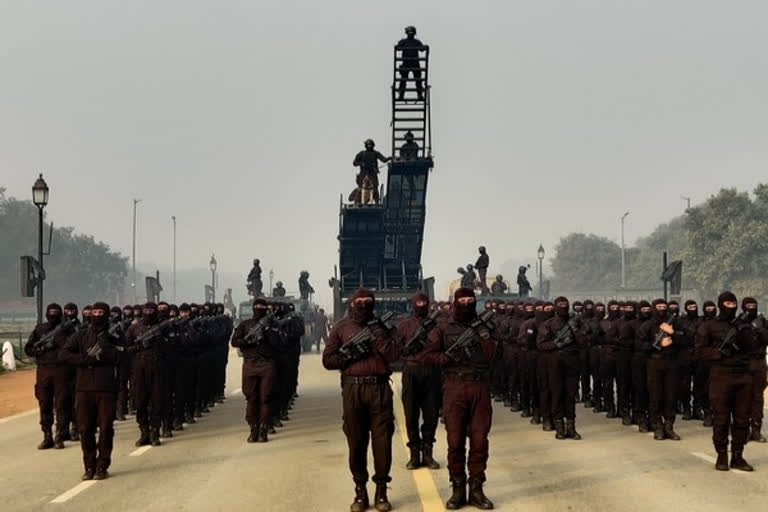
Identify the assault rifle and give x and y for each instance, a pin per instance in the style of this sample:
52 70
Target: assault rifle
419 338
147 339
462 347
46 342
729 347
256 334
359 346
663 334
564 336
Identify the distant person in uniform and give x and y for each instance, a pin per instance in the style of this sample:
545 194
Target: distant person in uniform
279 290
482 269
368 162
499 287
468 277
410 63
305 289
410 149
523 285
254 279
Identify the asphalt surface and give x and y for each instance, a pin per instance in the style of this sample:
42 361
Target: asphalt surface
209 466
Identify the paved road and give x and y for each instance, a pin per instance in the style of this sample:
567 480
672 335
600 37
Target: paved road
209 466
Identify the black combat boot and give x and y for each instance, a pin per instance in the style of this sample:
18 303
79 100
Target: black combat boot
415 461
189 418
559 429
626 418
498 397
698 413
47 440
143 437
262 434
120 416
669 430
198 412
101 474
360 503
459 497
546 424
535 417
166 432
284 416
88 475
738 462
611 411
380 500
599 406
58 441
587 400
722 461
708 419
515 406
271 428
658 431
642 423
178 424
477 497
526 413
508 400
570 430
426 457
687 414
154 437
755 434
253 435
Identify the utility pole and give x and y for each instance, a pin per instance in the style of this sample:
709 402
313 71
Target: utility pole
173 218
663 270
623 257
133 282
687 201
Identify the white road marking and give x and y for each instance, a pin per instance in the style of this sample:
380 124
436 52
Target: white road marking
62 498
17 416
140 451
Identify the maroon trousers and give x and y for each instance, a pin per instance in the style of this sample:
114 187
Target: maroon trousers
258 383
148 392
53 390
730 395
96 409
468 413
368 414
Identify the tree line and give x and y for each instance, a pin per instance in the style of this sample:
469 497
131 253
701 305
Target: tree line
722 242
80 268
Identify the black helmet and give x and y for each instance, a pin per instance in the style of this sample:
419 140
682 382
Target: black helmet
369 142
410 29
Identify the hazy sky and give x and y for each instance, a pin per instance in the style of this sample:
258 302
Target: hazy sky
242 118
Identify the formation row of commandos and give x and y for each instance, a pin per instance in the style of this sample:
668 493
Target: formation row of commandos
643 363
163 363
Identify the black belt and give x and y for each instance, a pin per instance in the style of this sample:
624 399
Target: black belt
368 379
468 376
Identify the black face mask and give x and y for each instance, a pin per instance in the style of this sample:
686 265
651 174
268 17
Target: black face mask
645 315
630 314
613 314
692 314
99 322
53 318
464 312
421 311
600 313
259 313
727 314
150 318
661 314
709 313
562 311
751 313
589 312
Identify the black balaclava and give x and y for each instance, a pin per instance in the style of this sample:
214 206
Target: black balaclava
709 309
726 314
100 322
674 307
630 310
149 313
644 315
53 314
589 309
562 307
70 311
691 309
749 306
599 310
660 314
259 308
613 310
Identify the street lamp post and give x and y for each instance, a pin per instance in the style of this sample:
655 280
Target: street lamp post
40 199
213 277
133 264
623 260
271 276
173 218
540 253
687 202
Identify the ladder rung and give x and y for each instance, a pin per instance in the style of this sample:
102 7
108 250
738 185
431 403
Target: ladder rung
409 120
410 109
